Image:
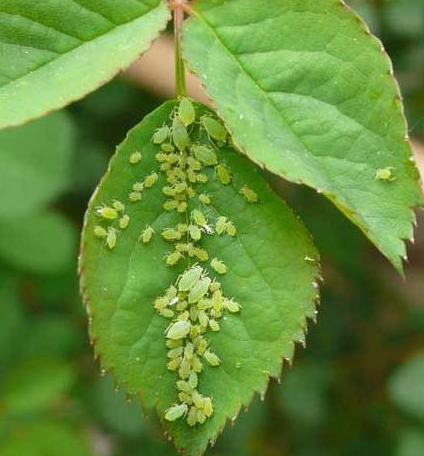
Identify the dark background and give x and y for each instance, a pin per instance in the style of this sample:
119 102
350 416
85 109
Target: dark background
358 388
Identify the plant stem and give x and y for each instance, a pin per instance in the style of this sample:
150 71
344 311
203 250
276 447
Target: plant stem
180 81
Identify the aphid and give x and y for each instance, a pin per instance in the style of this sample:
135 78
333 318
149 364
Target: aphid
175 412
173 258
201 178
198 217
214 128
223 174
189 351
220 225
124 221
208 407
146 235
179 134
186 112
151 180
230 229
201 417
181 306
215 286
201 254
190 278
169 234
161 135
192 417
174 364
196 364
180 187
107 213
166 313
194 164
118 206
203 319
168 191
134 197
171 292
211 358
175 352
135 158
219 266
191 175
204 199
172 159
166 147
99 232
192 380
185 369
195 232
199 290
204 154
202 346
111 238
182 228
161 157
185 398
184 316
214 325
178 330
191 193
249 195
385 174
182 207
232 306
170 205
160 303
184 386
138 187
197 399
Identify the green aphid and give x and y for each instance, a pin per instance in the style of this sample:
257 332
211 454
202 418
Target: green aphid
185 398
196 364
199 217
175 352
193 380
165 166
184 316
147 234
176 412
194 164
203 319
208 407
182 228
168 191
178 330
185 369
170 234
118 206
180 187
194 313
195 232
179 134
201 417
134 197
166 147
249 195
191 250
211 358
171 292
230 229
174 343
172 159
174 364
204 304
135 158
189 351
202 346
219 266
223 174
201 178
186 112
201 254
192 416
215 286
124 222
182 207
191 193
179 173
232 306
99 232
214 325
161 157
180 247
191 176
385 174
161 303
190 278
199 290
203 198
151 180
173 258
170 205
161 135
215 129
111 238
204 154
166 313
184 386
181 306
197 399
107 213
220 225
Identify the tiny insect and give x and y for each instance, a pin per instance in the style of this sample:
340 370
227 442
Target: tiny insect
190 278
174 364
385 174
135 158
184 386
184 370
198 217
197 399
111 238
175 352
208 407
147 234
134 197
138 187
201 417
182 228
219 266
232 305
203 198
194 164
161 135
201 178
178 330
192 417
220 225
167 313
179 134
151 180
203 319
160 303
173 258
211 358
118 206
182 207
192 380
161 157
166 147
99 232
249 195
223 174
195 232
174 343
186 112
204 154
124 222
175 412
199 290
191 193
230 229
170 205
215 129
183 316
214 325
196 364
215 286
170 234
107 213
201 254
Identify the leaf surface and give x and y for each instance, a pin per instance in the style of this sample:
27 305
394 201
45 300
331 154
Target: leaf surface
55 52
308 93
272 272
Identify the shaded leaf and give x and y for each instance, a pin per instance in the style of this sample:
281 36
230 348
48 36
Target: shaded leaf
411 443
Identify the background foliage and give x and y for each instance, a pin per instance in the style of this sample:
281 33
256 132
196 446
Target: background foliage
356 389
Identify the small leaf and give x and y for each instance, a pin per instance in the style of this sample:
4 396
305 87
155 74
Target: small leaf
309 94
55 52
272 287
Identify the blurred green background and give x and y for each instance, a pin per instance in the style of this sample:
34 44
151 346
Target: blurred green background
358 388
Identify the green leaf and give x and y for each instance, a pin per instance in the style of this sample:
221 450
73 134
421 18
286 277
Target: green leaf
42 243
307 92
272 275
35 164
56 52
406 388
411 443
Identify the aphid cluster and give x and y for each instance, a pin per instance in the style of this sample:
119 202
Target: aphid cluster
187 146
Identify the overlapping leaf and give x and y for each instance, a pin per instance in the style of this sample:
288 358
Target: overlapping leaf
272 272
310 95
55 52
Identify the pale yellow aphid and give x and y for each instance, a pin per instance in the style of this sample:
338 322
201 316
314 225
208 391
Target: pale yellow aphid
161 303
203 319
184 386
167 313
147 234
169 191
185 369
181 306
182 227
202 346
178 330
165 166
134 197
232 305
204 199
175 412
219 266
182 207
167 147
385 174
192 416
201 417
196 364
199 290
230 229
195 232
190 278
118 206
194 164
151 180
175 352
161 157
186 112
161 135
174 343
108 213
170 205
201 254
214 325
138 187
111 238
174 364
135 158
215 286
99 232
192 380
191 193
198 217
124 222
197 399
201 178
208 407
170 234
184 316
220 225
223 174
249 195
173 258
185 398
211 358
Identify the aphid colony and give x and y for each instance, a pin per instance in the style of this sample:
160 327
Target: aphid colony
195 303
